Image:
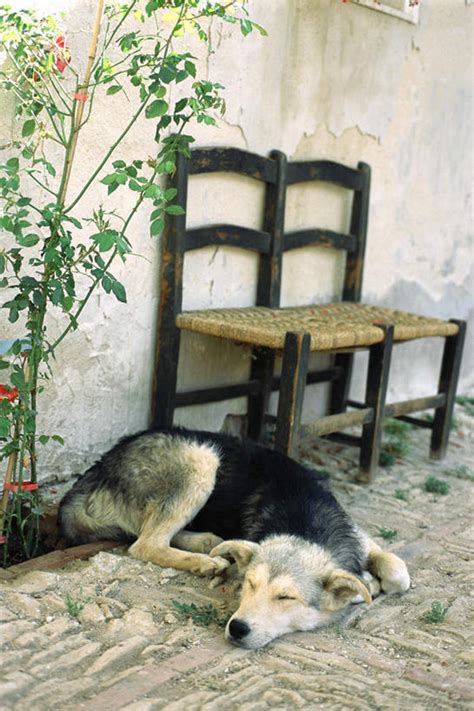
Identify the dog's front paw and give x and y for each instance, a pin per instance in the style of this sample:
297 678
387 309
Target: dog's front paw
211 566
394 576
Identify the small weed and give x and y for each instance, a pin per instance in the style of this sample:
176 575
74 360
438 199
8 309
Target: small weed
455 424
396 444
436 614
386 459
436 486
387 534
467 403
397 428
74 606
401 494
460 472
202 615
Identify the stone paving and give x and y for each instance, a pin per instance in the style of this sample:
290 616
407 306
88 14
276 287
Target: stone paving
105 634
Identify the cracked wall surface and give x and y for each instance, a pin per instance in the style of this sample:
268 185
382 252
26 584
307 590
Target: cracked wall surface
331 80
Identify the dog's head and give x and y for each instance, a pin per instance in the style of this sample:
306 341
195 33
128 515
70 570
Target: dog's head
289 585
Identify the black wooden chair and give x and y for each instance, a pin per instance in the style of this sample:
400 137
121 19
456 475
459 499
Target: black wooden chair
407 326
267 329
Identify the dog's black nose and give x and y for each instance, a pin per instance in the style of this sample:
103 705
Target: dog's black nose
238 629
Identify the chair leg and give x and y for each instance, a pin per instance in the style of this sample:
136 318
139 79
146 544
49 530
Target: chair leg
263 365
448 381
292 387
166 376
376 391
340 387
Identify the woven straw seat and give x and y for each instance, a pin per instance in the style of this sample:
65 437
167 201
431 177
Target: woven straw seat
331 326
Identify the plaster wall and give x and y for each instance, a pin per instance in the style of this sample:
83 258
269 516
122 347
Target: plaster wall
332 80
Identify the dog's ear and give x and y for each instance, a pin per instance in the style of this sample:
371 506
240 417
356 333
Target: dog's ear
340 588
240 551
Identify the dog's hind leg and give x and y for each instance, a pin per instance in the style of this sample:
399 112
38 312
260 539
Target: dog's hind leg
168 514
387 567
196 542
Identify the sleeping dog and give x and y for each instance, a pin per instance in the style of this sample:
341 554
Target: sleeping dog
196 500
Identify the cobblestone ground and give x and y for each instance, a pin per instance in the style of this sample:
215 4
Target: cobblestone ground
105 634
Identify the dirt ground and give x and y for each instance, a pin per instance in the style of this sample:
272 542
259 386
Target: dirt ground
107 633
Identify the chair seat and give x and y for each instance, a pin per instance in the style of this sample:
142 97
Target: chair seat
331 326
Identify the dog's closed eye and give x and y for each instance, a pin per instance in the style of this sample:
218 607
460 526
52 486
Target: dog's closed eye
284 596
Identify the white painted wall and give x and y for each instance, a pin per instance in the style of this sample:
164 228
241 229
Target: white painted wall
332 80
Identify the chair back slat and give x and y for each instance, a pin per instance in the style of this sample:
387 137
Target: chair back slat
324 170
230 236
321 238
227 160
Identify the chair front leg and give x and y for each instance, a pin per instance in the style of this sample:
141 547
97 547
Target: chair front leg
448 380
380 355
292 386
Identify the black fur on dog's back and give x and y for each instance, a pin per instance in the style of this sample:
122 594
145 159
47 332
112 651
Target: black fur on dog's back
258 492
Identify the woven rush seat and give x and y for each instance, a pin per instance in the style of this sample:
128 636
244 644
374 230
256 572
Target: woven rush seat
331 326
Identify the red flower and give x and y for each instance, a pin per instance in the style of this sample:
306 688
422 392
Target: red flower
10 395
63 57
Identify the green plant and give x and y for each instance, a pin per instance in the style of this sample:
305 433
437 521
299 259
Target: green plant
202 615
386 459
54 254
467 403
436 486
436 614
396 442
401 494
460 472
74 606
388 534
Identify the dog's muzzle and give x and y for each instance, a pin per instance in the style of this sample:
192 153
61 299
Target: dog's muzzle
237 630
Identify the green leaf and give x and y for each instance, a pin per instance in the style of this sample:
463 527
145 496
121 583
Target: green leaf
4 364
4 427
28 128
28 240
12 165
23 201
18 379
105 240
151 6
119 291
151 191
245 27
180 105
157 108
113 89
58 439
190 68
109 179
43 439
107 283
156 227
174 210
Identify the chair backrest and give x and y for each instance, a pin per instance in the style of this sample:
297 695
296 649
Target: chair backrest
356 180
178 239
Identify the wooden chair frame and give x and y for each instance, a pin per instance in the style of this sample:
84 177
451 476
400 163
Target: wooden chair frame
270 242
